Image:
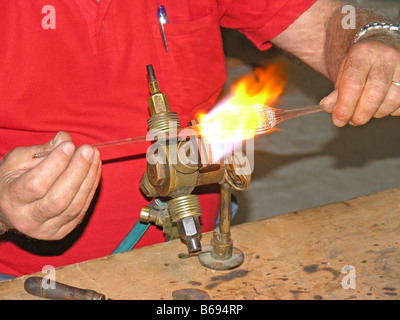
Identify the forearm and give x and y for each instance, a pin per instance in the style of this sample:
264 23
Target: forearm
319 38
305 38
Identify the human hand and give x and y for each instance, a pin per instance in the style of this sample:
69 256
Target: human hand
47 198
363 87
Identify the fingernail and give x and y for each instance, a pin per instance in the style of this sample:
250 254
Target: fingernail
323 101
96 158
68 148
338 123
53 142
87 153
331 98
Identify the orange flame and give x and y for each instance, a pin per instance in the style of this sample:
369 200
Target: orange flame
232 119
264 86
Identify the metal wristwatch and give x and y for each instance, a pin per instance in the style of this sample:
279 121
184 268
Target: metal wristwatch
376 26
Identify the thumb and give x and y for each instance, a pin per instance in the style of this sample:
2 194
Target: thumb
330 100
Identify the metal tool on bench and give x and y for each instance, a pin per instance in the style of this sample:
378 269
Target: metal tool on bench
40 287
190 294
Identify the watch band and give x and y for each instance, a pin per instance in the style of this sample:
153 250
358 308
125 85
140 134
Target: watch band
376 26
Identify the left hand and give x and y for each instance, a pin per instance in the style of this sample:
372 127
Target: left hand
47 198
363 87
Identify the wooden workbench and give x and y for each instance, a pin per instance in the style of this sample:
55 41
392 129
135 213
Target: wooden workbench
299 255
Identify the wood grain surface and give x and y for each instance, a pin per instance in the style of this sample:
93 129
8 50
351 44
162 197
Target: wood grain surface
299 255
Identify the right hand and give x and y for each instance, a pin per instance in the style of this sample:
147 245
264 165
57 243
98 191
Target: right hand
46 198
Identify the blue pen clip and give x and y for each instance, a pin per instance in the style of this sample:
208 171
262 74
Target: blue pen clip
163 19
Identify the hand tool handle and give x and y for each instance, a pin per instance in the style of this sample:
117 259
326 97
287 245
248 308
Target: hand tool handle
59 291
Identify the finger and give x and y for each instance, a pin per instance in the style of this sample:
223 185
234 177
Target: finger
392 100
94 185
68 220
84 196
350 86
35 183
60 137
329 101
62 192
89 199
396 113
21 158
340 73
374 93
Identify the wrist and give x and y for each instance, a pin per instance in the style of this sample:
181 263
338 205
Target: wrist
340 40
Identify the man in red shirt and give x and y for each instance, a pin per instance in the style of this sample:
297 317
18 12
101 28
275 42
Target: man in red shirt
78 68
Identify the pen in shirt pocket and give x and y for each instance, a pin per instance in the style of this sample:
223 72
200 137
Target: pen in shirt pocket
163 19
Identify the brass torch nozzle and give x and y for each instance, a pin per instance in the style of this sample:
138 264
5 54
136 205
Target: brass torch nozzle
158 102
153 83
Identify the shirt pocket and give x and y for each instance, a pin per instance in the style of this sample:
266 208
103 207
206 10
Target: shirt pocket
194 67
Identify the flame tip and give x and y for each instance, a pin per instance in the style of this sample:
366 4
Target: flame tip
231 120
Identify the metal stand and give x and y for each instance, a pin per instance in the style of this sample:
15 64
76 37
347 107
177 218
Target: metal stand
223 256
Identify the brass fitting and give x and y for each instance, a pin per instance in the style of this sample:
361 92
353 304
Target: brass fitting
185 212
157 213
158 102
159 107
174 179
170 177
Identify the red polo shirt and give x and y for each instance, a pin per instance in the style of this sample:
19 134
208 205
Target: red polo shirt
81 68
